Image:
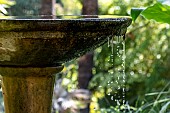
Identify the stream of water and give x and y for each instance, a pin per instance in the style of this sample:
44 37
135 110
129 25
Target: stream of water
117 72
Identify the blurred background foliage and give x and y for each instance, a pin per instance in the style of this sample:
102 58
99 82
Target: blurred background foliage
147 58
147 62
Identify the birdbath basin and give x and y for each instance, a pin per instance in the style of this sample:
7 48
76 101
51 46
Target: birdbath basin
33 49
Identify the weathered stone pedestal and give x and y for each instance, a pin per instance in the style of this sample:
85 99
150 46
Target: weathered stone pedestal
28 90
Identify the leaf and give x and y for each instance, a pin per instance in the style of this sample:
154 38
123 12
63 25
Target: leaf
7 2
158 12
164 108
135 12
3 10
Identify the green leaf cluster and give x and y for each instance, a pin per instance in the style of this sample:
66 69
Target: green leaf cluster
158 12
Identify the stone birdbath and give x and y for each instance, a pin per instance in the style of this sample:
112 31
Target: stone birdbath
33 49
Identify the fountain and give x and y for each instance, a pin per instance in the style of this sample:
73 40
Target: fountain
33 49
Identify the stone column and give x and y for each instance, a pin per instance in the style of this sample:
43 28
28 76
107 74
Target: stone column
28 89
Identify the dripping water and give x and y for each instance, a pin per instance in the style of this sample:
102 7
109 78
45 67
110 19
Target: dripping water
117 73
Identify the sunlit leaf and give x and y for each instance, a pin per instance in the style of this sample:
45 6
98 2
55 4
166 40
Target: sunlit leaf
3 10
7 2
135 12
158 12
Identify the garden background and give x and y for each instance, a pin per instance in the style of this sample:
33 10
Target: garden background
147 59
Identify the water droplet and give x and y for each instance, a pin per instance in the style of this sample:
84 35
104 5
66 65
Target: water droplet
112 98
124 102
108 38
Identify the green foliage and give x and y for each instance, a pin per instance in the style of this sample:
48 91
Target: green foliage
147 56
159 12
147 63
165 107
68 7
135 12
158 105
25 7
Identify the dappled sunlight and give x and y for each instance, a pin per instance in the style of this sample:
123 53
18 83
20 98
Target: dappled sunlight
69 7
133 77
